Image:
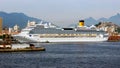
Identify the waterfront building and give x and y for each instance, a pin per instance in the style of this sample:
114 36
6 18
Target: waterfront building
30 23
16 28
109 27
0 25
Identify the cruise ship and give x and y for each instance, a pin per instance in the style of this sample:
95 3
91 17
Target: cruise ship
50 33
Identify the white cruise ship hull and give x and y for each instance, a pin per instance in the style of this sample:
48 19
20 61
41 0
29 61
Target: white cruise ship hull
81 39
75 39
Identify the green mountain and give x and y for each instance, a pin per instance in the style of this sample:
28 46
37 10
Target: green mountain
11 19
91 21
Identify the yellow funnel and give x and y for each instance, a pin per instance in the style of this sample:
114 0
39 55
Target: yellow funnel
81 23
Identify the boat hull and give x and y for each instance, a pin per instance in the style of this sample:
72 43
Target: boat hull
84 39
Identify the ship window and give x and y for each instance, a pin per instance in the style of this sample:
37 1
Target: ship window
30 35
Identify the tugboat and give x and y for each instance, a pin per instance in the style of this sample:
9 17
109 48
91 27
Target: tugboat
7 46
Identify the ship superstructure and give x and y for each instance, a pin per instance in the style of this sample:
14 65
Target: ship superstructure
50 33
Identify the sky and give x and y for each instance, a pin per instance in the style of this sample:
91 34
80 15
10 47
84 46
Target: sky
62 12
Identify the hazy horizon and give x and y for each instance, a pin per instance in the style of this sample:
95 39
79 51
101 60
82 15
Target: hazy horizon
62 12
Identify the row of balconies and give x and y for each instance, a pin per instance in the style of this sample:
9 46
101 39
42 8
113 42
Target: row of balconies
68 35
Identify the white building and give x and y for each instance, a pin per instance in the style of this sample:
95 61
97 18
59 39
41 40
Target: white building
10 30
16 28
31 24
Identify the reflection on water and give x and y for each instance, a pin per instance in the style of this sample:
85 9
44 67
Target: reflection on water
66 55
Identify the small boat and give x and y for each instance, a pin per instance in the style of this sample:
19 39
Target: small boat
20 48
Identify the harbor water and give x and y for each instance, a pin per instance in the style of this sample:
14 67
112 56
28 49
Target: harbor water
66 55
